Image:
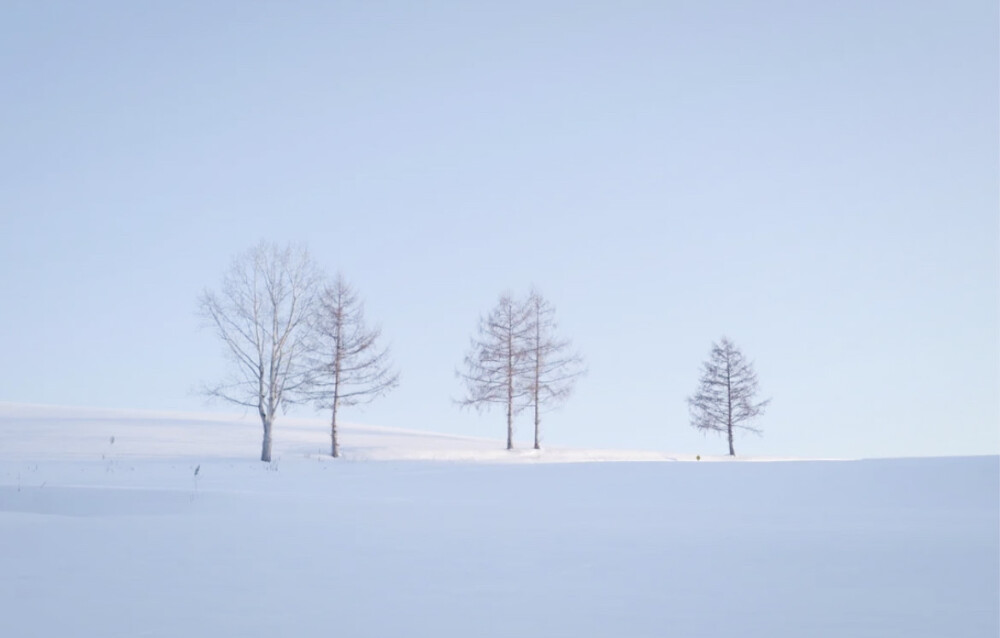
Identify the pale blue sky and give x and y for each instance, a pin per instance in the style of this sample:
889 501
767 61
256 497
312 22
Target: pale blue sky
818 181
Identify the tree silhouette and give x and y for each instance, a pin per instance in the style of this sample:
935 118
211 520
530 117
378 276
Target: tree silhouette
725 399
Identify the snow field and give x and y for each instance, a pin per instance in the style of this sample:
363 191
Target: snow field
132 542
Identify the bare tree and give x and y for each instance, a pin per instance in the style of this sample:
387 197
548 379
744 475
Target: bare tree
725 399
497 362
348 365
553 367
261 313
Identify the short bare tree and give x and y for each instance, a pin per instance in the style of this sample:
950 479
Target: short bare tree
497 362
725 399
261 314
349 367
553 367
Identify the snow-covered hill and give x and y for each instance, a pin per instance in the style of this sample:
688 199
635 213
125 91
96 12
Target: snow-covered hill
138 524
47 432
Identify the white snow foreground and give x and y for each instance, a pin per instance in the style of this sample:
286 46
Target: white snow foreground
173 529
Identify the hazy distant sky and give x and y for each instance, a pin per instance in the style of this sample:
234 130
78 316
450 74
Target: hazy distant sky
816 180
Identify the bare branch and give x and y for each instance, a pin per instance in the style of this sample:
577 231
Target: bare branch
497 362
260 316
553 366
725 397
346 365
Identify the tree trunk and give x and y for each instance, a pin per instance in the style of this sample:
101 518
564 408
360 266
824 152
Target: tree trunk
334 446
729 404
338 363
536 386
265 451
510 385
510 426
538 422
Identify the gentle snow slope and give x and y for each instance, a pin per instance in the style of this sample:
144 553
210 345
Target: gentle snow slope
154 536
32 431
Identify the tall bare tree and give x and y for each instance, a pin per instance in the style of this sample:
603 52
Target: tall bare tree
553 367
349 366
726 394
497 362
261 314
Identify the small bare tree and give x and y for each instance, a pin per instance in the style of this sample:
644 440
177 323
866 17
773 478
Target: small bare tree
553 367
497 362
349 366
725 399
261 314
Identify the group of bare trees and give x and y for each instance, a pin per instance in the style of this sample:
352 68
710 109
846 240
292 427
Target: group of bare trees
293 336
517 360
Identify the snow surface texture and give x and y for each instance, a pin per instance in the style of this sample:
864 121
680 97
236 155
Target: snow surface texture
173 529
